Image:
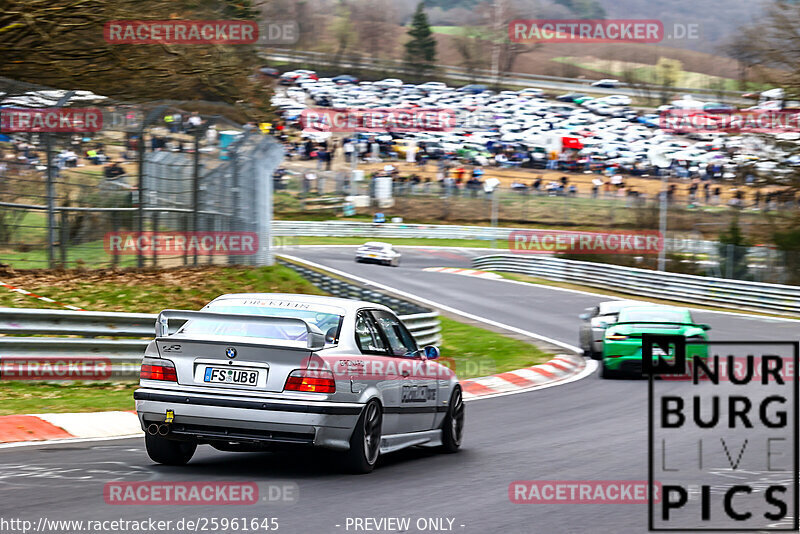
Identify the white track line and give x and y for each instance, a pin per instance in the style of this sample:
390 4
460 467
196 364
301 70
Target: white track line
65 441
434 304
585 292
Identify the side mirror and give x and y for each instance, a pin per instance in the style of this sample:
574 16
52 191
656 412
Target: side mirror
704 326
585 316
431 352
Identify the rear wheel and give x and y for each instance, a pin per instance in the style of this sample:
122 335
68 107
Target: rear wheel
453 425
365 443
169 452
605 372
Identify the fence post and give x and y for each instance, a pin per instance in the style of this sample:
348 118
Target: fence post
150 117
185 229
114 229
51 215
140 195
64 231
195 185
155 231
234 212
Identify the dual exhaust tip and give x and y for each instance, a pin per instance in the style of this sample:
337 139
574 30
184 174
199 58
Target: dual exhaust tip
161 430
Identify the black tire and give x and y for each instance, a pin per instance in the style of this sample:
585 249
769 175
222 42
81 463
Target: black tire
365 443
169 452
453 424
605 372
596 355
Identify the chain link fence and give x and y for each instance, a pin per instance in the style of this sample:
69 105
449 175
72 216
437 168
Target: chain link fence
156 186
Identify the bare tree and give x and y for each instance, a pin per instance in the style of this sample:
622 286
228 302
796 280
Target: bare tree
771 47
472 49
372 19
61 45
504 52
344 31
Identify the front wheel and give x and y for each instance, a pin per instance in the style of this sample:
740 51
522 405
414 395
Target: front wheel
453 425
365 443
169 452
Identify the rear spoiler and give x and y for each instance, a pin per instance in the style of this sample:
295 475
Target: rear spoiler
663 323
316 339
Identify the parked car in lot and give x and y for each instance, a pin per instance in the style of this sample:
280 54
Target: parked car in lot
389 82
472 89
344 79
569 97
293 76
595 320
251 372
531 92
432 86
378 252
622 345
269 71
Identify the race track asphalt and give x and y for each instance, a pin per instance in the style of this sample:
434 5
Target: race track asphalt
591 429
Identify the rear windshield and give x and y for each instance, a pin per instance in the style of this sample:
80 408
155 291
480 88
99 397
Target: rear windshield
327 318
653 316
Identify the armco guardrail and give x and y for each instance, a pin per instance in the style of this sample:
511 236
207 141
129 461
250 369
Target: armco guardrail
369 230
718 292
109 336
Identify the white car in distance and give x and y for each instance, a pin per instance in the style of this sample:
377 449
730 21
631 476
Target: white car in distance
378 252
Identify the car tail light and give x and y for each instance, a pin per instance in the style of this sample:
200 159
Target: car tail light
154 369
311 380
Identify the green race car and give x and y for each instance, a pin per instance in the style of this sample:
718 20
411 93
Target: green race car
622 345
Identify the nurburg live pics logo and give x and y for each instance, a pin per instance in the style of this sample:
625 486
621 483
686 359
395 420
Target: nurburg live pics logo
724 450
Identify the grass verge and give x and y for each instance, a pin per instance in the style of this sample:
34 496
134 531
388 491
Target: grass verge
478 352
17 397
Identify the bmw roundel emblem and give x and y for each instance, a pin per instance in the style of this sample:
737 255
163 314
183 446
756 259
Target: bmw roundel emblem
230 352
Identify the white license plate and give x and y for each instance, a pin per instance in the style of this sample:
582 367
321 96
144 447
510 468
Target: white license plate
224 375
